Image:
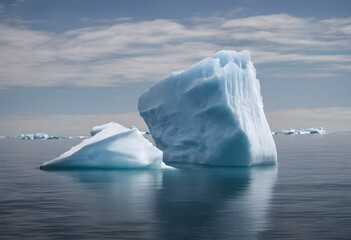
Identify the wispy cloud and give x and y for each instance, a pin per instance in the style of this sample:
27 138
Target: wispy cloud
129 52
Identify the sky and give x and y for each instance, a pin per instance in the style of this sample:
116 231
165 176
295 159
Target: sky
66 65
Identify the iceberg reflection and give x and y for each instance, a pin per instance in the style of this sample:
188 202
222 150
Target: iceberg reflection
193 202
214 203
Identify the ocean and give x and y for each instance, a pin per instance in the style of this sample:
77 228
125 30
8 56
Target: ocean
306 196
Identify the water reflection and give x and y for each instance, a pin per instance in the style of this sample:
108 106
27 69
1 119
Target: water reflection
188 203
126 194
212 203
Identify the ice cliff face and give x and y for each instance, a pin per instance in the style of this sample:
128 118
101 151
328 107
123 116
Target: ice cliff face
211 113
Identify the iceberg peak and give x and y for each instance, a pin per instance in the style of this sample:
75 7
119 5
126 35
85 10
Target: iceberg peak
241 59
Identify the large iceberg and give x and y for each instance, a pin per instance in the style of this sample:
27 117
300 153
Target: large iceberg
112 146
211 113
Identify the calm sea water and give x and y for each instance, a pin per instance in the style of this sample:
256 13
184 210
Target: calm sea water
307 196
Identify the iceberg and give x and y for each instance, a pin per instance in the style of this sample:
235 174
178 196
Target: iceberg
211 113
38 136
114 146
308 131
319 130
286 132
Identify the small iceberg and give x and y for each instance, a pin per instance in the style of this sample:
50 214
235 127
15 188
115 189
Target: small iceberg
319 130
112 146
285 132
308 131
38 136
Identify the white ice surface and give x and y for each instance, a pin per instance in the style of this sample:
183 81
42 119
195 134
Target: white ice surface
99 128
211 113
114 146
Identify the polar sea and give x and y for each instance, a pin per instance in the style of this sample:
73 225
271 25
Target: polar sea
306 196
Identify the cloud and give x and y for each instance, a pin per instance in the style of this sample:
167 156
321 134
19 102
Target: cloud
125 52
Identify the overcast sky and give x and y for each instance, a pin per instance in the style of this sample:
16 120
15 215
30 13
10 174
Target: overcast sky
68 65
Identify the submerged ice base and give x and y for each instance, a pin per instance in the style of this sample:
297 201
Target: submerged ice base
112 146
211 113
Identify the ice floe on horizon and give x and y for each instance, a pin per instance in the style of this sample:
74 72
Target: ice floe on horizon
44 136
308 131
40 136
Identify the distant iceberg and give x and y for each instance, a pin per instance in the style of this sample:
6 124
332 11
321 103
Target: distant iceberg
285 132
42 136
38 136
308 131
211 113
111 146
319 130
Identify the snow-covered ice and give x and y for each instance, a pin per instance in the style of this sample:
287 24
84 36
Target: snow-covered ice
79 137
99 128
114 146
211 113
